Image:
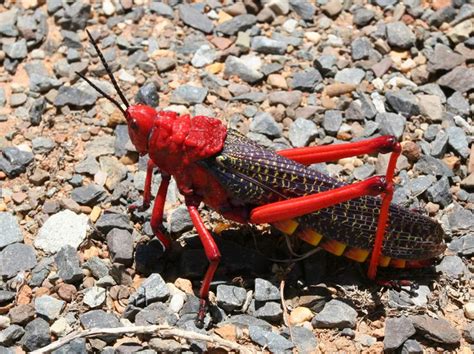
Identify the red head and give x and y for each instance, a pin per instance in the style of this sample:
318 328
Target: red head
140 120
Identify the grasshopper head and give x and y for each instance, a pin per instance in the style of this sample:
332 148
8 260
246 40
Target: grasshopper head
140 120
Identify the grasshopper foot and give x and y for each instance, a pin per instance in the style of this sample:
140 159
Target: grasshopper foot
201 313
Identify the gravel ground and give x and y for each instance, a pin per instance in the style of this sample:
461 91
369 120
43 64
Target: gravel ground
285 73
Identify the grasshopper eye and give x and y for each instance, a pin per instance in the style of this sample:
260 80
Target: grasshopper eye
134 124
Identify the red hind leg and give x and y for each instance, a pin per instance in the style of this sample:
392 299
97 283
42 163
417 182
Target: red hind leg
309 155
212 253
326 153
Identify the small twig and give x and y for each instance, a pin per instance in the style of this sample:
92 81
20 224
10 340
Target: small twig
286 319
160 330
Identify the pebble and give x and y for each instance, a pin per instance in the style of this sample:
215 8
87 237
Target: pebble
452 267
11 232
67 262
403 102
268 311
430 106
335 314
412 346
468 333
22 314
179 220
187 94
73 97
88 195
237 24
268 46
289 99
14 161
148 93
120 244
15 258
110 220
300 315
50 236
264 123
436 329
362 16
332 121
94 296
100 319
399 35
391 124
459 79
301 132
205 55
305 80
439 192
273 341
230 297
303 8
10 335
151 290
16 50
36 335
458 141
469 310
265 291
397 331
351 76
48 307
239 67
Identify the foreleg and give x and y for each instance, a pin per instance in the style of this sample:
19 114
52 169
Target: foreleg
212 253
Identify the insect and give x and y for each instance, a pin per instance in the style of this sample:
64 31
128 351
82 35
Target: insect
248 183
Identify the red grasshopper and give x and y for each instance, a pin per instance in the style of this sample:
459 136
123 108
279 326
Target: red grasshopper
249 184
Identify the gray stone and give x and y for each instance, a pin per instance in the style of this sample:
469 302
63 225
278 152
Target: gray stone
237 24
303 8
205 55
151 290
103 145
268 311
100 319
399 35
11 232
193 18
40 271
273 341
162 9
97 267
75 98
61 229
461 218
7 22
16 258
6 296
443 59
335 314
429 165
36 110
305 80
266 291
87 166
421 184
397 331
403 102
156 314
350 76
77 346
264 123
445 14
238 66
439 192
42 145
230 297
67 262
301 132
165 64
14 161
246 321
36 335
457 140
16 50
452 267
94 296
332 121
115 171
120 244
289 99
412 346
361 48
431 107
48 307
148 93
326 65
367 105
468 333
436 329
391 124
459 79
364 172
88 195
439 145
179 220
304 339
17 99
10 335
187 94
109 221
268 46
458 104
362 16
